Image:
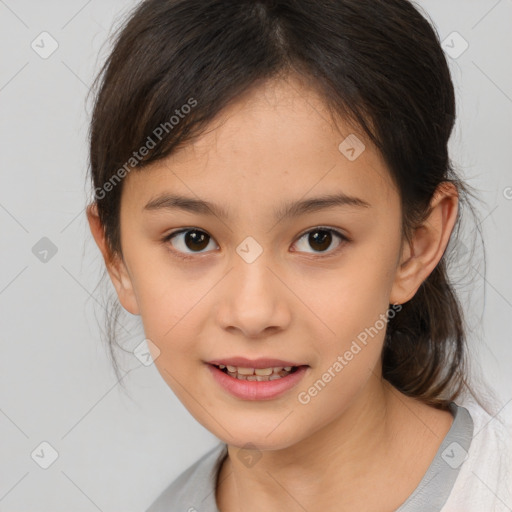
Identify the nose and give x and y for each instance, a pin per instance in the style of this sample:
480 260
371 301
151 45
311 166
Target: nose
254 300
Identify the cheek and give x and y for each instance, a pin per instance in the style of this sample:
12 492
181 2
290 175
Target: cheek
353 298
353 305
348 360
164 294
170 309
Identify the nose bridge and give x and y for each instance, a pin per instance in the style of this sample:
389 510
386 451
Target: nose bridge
252 279
253 300
252 276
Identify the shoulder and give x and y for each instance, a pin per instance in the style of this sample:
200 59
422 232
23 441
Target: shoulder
485 478
194 489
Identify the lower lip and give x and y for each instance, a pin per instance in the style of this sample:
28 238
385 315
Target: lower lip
257 390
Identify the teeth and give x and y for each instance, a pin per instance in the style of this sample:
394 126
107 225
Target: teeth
257 374
245 371
263 371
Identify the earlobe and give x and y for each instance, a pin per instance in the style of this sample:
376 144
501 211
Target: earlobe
420 257
115 266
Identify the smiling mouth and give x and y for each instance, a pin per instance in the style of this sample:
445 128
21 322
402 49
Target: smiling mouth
257 374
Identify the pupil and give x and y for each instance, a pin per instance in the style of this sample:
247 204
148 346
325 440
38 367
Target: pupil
199 240
323 240
196 240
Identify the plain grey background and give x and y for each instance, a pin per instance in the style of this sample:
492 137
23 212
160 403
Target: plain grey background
56 382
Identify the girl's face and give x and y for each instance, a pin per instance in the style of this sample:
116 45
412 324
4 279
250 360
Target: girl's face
257 274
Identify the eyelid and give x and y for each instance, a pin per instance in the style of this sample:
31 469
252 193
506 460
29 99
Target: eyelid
344 239
336 231
184 255
189 256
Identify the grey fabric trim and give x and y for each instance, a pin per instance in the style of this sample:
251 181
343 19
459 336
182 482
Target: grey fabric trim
439 479
194 490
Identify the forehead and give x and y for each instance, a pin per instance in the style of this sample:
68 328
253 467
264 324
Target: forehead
277 141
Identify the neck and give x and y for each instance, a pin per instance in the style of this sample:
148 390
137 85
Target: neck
335 467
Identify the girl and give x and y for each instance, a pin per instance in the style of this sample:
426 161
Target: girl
274 197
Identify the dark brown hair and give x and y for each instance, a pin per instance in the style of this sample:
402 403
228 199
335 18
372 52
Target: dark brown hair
376 63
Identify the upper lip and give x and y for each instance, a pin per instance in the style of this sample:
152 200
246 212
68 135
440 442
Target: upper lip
262 362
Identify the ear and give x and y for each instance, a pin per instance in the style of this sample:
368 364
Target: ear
430 239
114 264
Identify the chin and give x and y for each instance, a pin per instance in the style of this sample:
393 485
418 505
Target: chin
260 439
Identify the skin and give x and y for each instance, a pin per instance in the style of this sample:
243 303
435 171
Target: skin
370 444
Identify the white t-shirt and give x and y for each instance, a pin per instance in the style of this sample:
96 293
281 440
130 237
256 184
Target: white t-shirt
484 482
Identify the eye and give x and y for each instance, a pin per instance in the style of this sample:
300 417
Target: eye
320 238
194 239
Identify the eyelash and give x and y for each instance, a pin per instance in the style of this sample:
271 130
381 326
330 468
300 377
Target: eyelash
186 256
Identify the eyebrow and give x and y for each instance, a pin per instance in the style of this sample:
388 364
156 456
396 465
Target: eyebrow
291 209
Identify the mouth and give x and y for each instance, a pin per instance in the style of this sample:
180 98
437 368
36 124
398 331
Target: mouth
257 374
263 383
